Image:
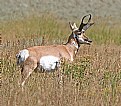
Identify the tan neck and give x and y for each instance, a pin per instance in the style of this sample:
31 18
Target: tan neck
72 48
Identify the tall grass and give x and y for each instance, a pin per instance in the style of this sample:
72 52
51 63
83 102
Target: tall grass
93 79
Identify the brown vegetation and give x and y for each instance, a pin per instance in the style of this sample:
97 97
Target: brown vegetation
93 79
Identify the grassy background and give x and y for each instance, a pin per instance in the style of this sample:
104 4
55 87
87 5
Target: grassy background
93 79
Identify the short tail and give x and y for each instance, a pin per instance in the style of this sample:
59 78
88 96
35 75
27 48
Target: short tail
22 56
18 58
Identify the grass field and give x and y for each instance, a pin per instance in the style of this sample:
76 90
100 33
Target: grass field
93 79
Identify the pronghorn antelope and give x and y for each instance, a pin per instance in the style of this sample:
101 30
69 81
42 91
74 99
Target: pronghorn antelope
48 57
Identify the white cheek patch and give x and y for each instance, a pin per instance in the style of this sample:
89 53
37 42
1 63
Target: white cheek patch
81 40
49 63
22 56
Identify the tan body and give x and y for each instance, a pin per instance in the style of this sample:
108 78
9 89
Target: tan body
67 51
47 56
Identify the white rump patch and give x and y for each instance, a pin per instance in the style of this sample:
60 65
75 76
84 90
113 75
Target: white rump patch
22 56
49 63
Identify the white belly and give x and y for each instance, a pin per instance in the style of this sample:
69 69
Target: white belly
49 62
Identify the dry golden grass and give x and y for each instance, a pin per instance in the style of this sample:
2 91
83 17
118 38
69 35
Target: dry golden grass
93 79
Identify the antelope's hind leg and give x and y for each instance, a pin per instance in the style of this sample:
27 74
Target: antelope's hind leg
29 65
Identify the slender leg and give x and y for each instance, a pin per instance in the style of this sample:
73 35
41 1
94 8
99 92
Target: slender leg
29 65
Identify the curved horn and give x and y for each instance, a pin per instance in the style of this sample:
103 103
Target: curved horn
89 18
84 24
86 16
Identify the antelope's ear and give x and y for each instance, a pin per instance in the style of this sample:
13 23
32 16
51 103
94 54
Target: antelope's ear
73 26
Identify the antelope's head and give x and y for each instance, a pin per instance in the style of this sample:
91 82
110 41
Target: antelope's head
79 33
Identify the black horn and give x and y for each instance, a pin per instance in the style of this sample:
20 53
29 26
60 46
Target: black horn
86 16
85 26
